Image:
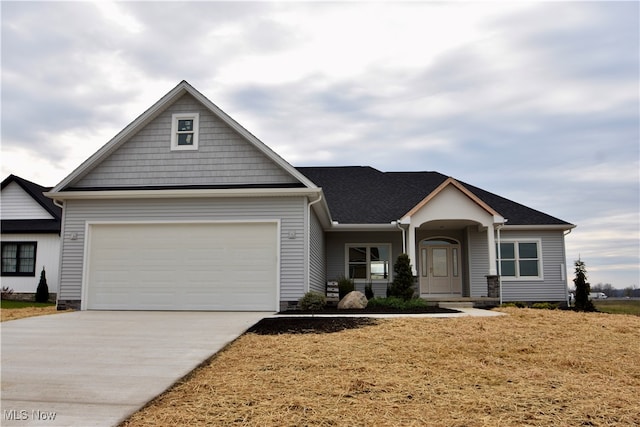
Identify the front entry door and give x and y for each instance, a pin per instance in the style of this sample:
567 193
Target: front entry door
440 269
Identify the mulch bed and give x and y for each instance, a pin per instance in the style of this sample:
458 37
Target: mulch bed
324 324
308 325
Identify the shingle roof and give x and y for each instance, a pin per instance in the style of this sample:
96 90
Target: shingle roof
364 195
33 225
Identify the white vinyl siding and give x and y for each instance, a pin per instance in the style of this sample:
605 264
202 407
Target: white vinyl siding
18 204
289 210
223 156
47 256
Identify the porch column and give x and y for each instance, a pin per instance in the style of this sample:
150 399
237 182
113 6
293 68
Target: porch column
491 241
411 248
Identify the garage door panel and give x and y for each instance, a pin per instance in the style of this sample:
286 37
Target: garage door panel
182 266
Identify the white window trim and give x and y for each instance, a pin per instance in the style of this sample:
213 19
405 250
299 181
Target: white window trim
517 277
174 131
368 246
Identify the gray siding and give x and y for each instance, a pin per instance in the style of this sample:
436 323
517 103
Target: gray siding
478 256
336 242
290 210
317 264
554 285
223 156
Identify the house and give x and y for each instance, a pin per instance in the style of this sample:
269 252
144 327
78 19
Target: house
30 225
184 209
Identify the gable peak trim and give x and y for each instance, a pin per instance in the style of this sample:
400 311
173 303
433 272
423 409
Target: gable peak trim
447 182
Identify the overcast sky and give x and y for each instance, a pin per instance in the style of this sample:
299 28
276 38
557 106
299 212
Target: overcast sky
537 102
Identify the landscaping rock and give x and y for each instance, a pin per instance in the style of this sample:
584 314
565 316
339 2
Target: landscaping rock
353 300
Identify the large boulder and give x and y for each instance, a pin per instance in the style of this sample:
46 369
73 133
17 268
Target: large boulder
354 299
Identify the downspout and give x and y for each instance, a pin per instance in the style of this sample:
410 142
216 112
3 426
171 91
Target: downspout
500 259
308 256
563 271
404 238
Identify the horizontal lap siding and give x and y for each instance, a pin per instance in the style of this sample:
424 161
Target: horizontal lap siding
47 256
223 156
317 265
553 287
290 210
18 204
478 256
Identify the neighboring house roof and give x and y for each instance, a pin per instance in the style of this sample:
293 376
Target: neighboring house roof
28 225
364 195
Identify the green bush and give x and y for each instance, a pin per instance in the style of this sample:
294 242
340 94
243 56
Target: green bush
368 291
402 285
545 306
345 286
312 301
398 303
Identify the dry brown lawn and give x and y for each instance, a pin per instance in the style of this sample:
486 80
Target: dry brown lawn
20 313
530 368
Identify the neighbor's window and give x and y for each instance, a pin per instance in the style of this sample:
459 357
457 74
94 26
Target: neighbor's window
184 131
520 259
368 262
19 258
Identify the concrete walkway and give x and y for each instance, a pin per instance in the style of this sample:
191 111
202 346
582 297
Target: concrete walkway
95 368
463 312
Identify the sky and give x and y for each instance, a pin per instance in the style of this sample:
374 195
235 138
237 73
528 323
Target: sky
537 102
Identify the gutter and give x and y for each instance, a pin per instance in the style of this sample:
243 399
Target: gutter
336 226
182 193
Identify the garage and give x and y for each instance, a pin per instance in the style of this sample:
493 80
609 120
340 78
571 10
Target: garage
182 266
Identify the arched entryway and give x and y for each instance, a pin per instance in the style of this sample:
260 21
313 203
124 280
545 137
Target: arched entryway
440 267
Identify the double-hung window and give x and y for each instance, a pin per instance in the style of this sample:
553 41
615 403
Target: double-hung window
368 262
520 259
184 131
19 258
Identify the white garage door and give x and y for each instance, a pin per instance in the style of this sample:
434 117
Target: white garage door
201 266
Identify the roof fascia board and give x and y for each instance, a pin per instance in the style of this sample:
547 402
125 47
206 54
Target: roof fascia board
538 227
182 193
463 190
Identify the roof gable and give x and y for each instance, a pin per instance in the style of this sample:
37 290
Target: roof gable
450 182
36 199
25 209
140 156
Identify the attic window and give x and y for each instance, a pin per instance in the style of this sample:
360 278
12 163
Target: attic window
184 131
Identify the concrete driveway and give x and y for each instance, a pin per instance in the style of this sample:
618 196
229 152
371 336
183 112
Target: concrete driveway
95 368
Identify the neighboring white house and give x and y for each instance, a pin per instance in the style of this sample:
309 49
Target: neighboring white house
185 209
30 237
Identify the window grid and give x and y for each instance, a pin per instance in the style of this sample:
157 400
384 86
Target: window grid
368 262
18 258
520 259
